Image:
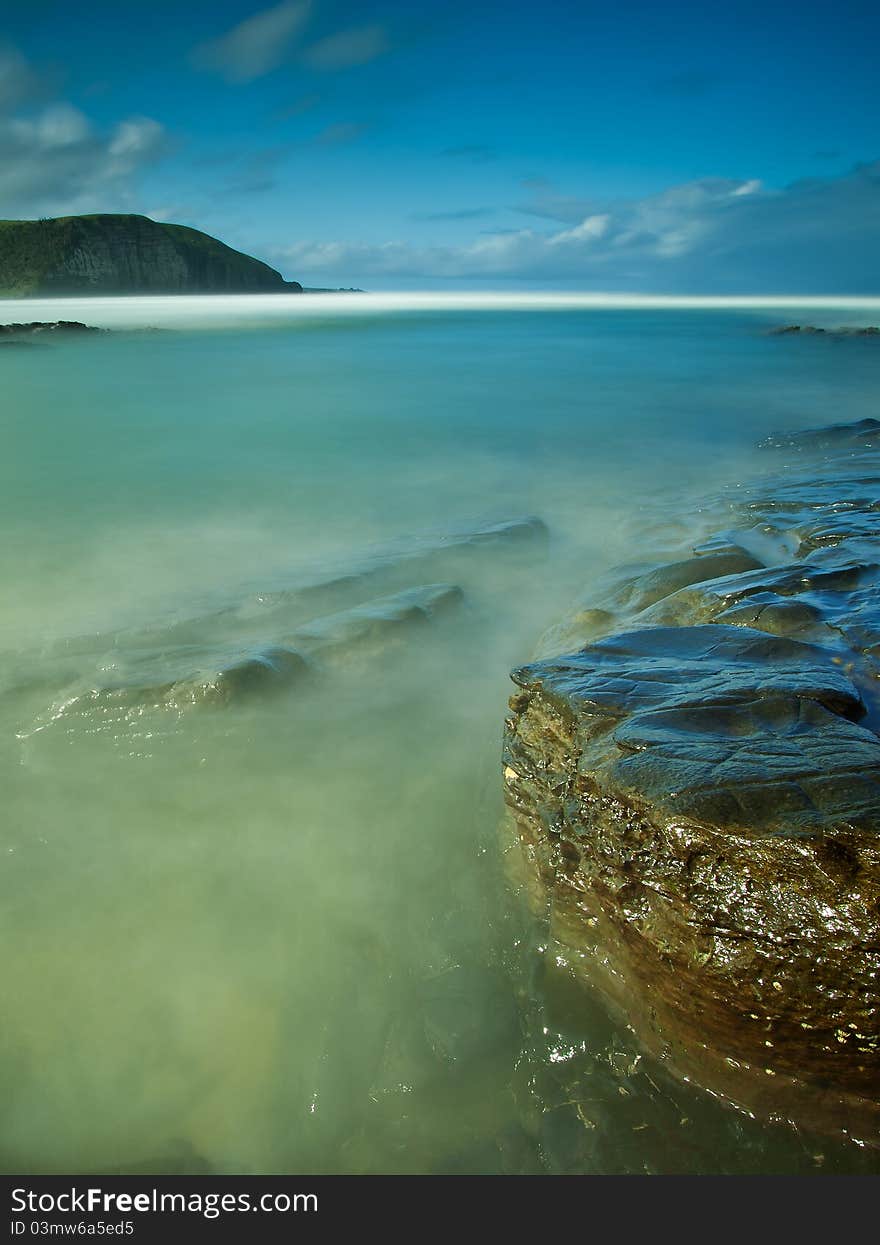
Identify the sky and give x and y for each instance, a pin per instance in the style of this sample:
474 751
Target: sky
658 147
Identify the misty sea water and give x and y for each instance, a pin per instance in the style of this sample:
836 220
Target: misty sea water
277 935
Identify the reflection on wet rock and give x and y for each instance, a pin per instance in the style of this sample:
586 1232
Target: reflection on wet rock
692 774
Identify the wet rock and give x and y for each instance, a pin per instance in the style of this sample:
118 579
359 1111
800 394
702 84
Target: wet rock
262 672
48 326
696 795
379 620
509 531
834 436
662 581
627 591
271 614
250 675
719 724
221 676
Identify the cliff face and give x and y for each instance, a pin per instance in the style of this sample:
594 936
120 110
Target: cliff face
125 255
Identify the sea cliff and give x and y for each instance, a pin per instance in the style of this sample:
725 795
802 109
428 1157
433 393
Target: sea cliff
110 254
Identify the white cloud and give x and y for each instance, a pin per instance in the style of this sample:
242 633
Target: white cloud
54 161
589 228
136 138
716 235
61 125
257 45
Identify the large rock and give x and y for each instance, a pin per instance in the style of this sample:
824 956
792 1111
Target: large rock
695 786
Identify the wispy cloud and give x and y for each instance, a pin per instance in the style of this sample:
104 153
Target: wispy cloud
348 47
340 133
257 173
57 162
54 159
718 235
257 45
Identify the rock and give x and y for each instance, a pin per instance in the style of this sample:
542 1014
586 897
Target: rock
274 614
624 593
264 671
697 799
256 674
397 566
835 436
869 330
716 723
508 531
378 620
47 326
645 589
221 676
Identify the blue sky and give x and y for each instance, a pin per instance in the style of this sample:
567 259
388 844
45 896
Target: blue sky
662 147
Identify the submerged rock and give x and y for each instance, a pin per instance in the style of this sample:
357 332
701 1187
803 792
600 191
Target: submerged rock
378 620
695 787
273 614
239 678
224 676
255 675
468 1013
835 436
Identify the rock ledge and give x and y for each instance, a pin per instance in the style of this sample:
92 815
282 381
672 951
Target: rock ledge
695 787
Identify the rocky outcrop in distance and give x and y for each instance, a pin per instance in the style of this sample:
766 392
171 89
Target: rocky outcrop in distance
692 779
807 330
24 334
46 326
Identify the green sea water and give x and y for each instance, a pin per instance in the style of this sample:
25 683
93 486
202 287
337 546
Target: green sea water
277 936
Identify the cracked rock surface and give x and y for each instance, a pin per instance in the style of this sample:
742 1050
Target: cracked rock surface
692 774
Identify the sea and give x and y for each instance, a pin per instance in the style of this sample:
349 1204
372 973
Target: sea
274 931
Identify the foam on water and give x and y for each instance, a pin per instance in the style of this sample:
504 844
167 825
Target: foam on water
258 310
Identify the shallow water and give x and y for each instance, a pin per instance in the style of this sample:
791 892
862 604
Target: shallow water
274 934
